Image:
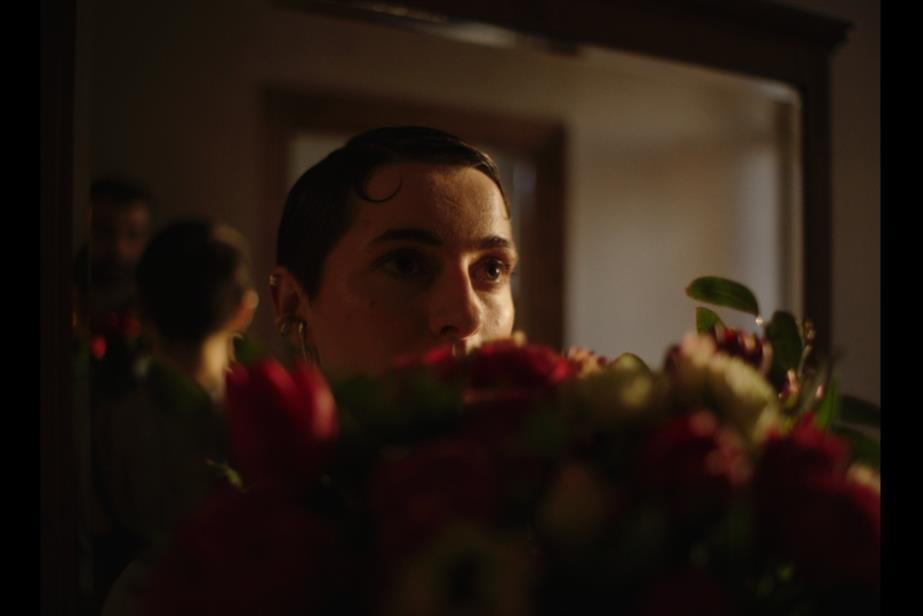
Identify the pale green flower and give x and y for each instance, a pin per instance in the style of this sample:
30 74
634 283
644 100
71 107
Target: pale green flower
624 389
691 366
743 396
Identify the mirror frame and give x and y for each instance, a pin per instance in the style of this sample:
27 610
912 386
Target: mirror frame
758 39
58 493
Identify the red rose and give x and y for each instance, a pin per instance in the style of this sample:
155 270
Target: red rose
689 592
807 451
98 347
282 426
792 464
416 495
506 383
441 361
693 463
808 508
248 554
508 365
834 534
494 419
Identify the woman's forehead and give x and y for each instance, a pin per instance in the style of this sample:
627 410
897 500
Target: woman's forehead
447 200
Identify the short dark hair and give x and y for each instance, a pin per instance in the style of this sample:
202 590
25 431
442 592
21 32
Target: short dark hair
192 278
319 211
120 192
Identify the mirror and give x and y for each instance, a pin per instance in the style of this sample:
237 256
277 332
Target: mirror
633 175
657 156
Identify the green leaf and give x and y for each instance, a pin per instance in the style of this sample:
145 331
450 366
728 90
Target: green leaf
865 449
706 320
827 411
785 338
856 411
723 292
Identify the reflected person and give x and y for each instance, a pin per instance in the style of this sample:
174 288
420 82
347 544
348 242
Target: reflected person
163 449
395 243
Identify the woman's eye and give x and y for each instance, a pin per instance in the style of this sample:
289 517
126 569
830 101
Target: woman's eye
493 270
404 265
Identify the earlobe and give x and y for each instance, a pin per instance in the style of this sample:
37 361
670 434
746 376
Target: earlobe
293 312
288 298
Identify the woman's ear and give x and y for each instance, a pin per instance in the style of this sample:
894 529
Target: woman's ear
293 312
288 297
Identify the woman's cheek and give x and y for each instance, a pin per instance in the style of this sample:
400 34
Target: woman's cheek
501 315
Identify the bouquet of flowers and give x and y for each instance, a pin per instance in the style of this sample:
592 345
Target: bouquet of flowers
516 480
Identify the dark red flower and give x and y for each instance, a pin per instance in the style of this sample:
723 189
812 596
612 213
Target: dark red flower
834 535
508 365
689 592
98 347
790 464
506 382
282 425
740 343
441 361
693 463
248 554
415 495
807 450
494 418
809 510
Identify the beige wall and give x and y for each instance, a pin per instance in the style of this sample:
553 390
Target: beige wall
673 172
856 102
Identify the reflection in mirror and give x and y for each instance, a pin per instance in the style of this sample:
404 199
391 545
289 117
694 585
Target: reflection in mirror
671 171
517 176
661 172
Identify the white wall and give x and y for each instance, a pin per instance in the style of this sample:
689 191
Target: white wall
673 171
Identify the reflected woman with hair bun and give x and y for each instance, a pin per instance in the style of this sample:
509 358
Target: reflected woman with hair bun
162 450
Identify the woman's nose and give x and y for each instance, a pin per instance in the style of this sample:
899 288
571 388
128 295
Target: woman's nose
456 314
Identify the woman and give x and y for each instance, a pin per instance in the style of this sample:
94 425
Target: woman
397 242
163 450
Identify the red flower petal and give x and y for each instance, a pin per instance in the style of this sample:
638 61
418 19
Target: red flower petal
98 347
281 424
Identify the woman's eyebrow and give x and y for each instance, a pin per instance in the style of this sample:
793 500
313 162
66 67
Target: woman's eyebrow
495 241
421 236
409 235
